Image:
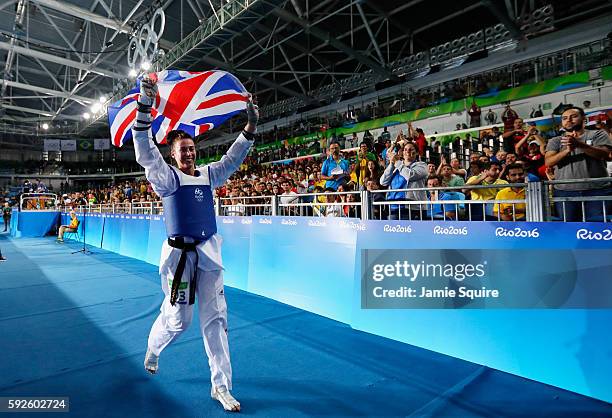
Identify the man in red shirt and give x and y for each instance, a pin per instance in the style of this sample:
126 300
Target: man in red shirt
513 136
508 117
418 136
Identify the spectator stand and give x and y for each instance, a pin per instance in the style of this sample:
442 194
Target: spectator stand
37 216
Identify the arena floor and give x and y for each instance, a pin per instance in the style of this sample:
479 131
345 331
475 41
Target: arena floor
77 326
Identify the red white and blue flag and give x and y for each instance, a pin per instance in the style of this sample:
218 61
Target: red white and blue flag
192 101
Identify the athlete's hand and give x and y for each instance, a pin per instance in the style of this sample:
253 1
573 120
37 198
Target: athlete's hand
148 90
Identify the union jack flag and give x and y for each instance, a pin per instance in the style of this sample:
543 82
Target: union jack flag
192 101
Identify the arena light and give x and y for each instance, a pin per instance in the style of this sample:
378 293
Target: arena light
95 108
86 115
145 65
45 126
103 99
133 73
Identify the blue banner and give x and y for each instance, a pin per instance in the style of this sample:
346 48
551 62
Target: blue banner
316 264
236 234
305 262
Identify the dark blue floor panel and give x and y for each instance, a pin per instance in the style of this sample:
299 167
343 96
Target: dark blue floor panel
77 326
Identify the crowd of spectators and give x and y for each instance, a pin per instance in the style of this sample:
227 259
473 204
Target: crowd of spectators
408 161
67 168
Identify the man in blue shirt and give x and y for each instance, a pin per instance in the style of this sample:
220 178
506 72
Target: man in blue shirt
450 211
335 169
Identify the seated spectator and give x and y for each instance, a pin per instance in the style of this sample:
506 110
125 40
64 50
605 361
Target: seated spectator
443 210
237 207
448 178
378 211
72 227
352 208
512 211
431 169
457 169
334 203
500 157
489 176
318 206
288 197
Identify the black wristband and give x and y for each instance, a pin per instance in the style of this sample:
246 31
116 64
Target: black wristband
248 135
143 108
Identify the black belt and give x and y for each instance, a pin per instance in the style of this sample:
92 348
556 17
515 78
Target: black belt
185 247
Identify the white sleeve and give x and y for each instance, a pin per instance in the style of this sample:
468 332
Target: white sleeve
163 180
221 170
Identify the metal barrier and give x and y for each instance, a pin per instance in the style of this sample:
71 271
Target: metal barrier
338 204
455 209
136 208
38 202
593 205
540 204
244 205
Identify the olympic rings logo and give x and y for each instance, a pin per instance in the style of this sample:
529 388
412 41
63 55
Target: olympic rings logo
143 47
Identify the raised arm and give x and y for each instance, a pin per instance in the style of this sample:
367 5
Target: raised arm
221 170
387 175
159 174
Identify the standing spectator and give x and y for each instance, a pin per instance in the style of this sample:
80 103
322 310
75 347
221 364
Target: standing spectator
385 135
535 158
521 148
405 172
418 136
579 154
508 117
474 113
512 211
536 113
335 169
372 172
6 215
513 136
491 117
363 157
384 152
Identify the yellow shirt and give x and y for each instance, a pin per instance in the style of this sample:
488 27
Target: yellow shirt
485 194
509 194
74 223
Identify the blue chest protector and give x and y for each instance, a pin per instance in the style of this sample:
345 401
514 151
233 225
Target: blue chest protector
190 210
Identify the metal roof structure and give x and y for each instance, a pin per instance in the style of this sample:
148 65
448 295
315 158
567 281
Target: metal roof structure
58 58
